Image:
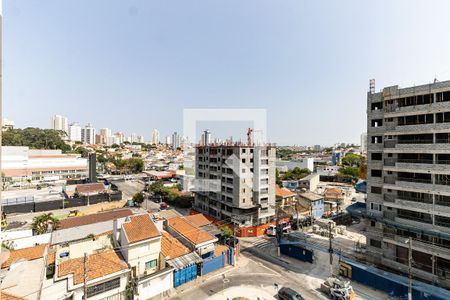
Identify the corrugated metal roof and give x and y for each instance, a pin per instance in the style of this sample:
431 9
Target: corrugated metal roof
185 260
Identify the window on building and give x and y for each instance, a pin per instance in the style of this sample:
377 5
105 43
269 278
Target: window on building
377 156
243 160
103 287
372 223
375 243
375 190
151 264
375 173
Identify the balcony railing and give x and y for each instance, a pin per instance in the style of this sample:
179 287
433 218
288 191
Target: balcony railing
389 162
415 141
417 180
427 200
389 197
390 143
389 180
415 161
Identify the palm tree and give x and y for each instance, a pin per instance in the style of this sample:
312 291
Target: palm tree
42 223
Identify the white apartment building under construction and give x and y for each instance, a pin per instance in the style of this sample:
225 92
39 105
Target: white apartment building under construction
408 191
245 195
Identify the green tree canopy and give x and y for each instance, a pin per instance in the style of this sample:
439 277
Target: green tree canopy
295 174
35 138
352 160
226 232
138 198
42 223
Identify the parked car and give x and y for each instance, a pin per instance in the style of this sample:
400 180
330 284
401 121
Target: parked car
163 205
286 293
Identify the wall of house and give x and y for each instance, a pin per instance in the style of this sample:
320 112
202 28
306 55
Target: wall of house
155 286
139 254
78 293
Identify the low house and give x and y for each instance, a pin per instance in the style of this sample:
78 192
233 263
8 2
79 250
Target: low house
186 263
21 272
284 197
140 242
309 182
191 236
313 202
334 194
105 274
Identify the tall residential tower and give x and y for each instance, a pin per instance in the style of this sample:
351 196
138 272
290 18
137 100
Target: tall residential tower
408 201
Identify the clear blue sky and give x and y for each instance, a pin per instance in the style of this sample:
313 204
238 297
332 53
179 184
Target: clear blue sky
134 65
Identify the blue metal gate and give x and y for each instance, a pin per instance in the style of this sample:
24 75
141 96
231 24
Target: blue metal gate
213 264
184 275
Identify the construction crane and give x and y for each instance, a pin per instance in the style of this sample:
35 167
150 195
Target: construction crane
249 135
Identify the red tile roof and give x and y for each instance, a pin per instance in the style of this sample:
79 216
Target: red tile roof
29 253
90 188
194 234
140 228
98 265
283 192
94 218
198 220
171 247
8 296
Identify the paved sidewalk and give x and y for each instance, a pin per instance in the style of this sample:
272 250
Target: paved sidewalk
248 292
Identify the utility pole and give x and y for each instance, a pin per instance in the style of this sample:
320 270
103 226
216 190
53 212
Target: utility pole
330 249
278 228
410 269
85 270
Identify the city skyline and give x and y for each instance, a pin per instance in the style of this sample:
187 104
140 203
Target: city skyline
307 74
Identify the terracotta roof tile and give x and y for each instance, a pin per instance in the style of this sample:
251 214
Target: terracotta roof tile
51 258
94 218
90 188
140 228
283 192
29 253
8 296
194 234
198 220
98 265
219 249
171 247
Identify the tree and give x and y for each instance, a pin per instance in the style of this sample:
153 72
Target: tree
352 160
277 177
42 223
138 198
362 171
83 151
226 232
35 138
296 174
157 188
115 146
350 171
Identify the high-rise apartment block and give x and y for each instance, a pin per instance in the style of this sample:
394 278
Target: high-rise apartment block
245 194
58 122
75 132
408 186
88 134
155 137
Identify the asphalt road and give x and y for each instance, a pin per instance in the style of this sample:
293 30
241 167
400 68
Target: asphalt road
251 271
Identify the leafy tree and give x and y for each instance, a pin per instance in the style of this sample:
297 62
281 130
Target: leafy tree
350 171
115 146
138 198
35 138
83 151
226 232
158 188
362 171
295 174
352 160
277 177
42 223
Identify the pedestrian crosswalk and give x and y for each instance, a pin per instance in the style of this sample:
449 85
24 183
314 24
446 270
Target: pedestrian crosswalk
262 245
